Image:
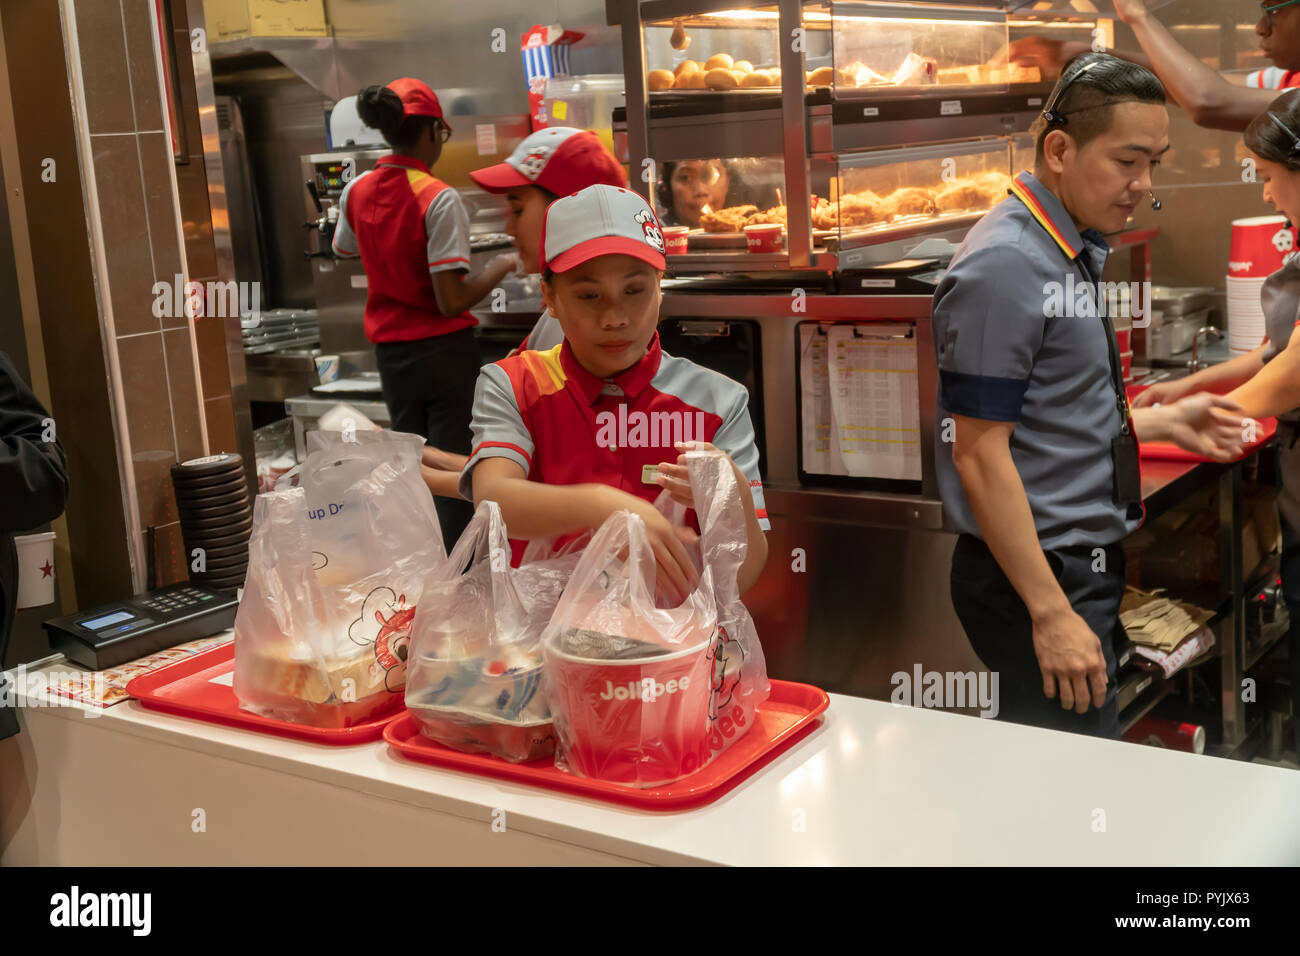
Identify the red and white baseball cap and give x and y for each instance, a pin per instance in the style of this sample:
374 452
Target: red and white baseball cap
600 220
560 159
418 99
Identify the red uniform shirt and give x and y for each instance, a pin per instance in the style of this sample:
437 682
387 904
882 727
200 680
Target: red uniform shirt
406 224
565 426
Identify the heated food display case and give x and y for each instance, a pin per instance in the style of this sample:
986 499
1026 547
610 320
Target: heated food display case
815 165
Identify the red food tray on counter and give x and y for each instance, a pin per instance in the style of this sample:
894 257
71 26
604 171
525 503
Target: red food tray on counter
199 688
1168 451
790 713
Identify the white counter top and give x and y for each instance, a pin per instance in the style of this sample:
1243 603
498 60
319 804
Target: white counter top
875 784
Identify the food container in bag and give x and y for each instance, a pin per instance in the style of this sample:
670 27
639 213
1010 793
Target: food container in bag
480 705
629 711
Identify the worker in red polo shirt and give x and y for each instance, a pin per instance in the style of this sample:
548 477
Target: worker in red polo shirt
546 165
600 423
411 231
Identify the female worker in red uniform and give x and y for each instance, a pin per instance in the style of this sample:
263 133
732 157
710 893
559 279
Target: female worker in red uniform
411 231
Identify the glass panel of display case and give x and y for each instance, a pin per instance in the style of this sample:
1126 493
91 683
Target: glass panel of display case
729 50
881 194
885 49
1082 8
717 198
1022 153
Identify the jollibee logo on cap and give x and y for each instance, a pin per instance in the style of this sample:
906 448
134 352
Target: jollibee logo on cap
532 164
650 226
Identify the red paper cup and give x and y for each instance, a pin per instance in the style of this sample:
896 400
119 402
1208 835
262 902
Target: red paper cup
1126 365
638 722
1158 732
1260 246
675 239
764 238
1125 339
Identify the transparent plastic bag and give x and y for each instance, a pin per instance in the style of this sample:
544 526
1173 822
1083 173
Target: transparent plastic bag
475 680
628 680
738 677
336 569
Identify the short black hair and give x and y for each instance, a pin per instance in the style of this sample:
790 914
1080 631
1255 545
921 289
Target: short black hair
380 108
1275 134
1087 108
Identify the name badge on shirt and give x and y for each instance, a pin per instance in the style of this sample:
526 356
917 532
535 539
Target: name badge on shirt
649 474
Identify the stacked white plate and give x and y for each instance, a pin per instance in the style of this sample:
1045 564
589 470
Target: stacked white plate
1245 314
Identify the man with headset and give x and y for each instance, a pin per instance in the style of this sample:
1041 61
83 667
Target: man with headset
1035 444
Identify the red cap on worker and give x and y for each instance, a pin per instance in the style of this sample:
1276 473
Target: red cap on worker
418 98
600 220
560 159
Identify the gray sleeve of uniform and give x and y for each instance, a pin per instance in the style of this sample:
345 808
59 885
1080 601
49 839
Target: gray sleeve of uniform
989 316
546 334
446 224
735 436
498 427
345 240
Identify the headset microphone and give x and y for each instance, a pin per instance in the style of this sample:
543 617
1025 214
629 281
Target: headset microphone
1156 204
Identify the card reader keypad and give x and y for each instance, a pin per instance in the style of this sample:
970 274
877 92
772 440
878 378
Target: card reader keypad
177 600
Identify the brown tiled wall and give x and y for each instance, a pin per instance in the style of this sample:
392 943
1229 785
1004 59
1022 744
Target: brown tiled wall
138 213
80 399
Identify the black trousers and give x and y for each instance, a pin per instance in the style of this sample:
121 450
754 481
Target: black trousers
1000 631
429 390
1288 506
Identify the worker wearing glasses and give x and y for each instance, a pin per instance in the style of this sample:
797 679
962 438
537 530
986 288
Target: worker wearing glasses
1215 100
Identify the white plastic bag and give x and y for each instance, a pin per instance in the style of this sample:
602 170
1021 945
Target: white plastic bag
628 681
738 679
336 567
475 680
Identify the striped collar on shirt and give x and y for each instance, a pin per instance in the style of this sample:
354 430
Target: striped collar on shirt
1051 215
629 382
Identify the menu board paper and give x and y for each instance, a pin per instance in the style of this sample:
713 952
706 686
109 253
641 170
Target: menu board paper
861 413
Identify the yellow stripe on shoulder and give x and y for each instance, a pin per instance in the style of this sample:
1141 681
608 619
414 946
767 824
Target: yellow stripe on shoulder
546 366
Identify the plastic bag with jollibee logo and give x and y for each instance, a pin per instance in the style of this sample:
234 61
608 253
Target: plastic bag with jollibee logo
627 678
475 680
738 670
335 570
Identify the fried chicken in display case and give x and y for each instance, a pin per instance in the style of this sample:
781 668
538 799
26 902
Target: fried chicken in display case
886 190
871 193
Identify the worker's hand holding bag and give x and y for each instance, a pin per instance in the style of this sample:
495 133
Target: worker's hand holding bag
628 680
738 681
336 567
475 679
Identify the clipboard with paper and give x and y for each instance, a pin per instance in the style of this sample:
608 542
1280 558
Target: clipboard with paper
859 410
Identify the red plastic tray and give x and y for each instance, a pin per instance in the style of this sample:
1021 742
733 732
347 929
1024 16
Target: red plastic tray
791 711
186 689
1168 451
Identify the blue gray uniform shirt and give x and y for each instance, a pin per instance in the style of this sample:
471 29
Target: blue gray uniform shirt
1017 341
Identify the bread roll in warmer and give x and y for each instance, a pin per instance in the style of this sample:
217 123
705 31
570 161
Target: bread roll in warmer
686 66
659 80
757 78
821 76
721 79
744 66
690 81
722 60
